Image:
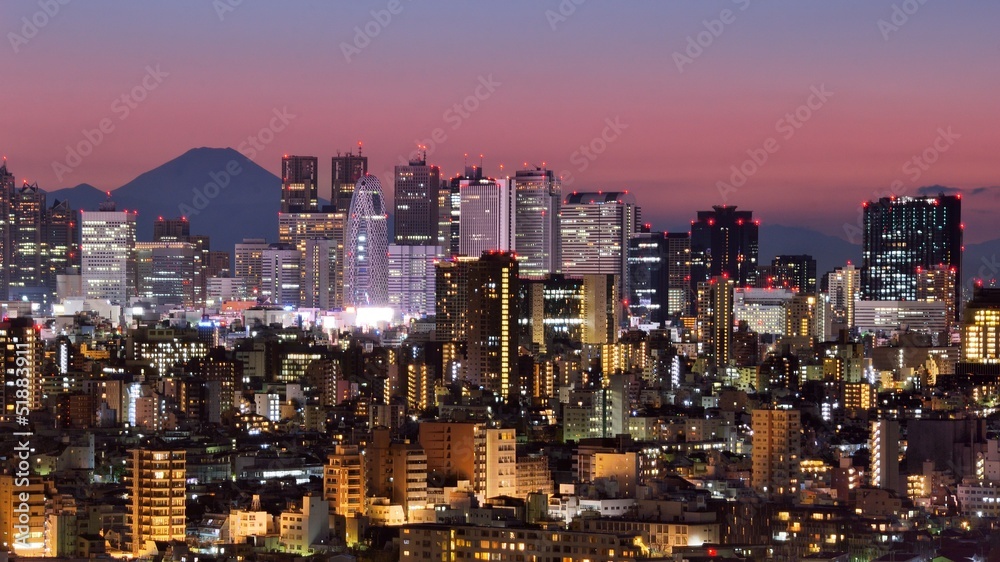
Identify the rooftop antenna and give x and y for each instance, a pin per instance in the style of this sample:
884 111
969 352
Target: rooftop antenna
359 148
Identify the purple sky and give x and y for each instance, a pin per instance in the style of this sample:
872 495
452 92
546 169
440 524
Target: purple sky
556 83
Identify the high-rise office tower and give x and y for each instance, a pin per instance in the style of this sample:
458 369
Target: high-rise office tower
715 319
884 461
844 288
802 316
902 234
62 249
777 448
323 274
281 275
249 264
416 203
171 230
411 278
299 230
445 204
450 196
27 236
724 242
580 309
7 187
937 283
486 221
595 229
648 270
367 246
537 200
107 254
451 298
679 299
166 272
347 170
796 273
492 331
299 188
157 508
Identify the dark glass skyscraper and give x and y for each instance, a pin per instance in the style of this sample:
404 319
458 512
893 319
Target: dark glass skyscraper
902 234
797 273
6 226
724 242
347 170
27 242
648 269
299 190
416 203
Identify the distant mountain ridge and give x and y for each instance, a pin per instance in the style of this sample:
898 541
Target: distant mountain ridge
223 193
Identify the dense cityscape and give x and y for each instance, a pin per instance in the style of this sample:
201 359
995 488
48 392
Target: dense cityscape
521 374
525 281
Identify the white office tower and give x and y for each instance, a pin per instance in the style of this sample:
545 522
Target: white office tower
486 222
107 254
281 275
367 246
537 198
595 229
411 278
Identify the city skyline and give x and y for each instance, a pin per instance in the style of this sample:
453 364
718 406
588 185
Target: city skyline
879 112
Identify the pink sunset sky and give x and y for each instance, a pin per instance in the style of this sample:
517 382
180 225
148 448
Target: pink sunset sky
538 81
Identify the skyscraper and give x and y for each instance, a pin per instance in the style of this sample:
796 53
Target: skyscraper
411 278
981 334
347 170
796 273
6 225
679 298
492 322
281 275
299 189
724 242
902 234
249 264
62 249
301 229
648 270
595 229
27 236
166 272
537 199
107 248
367 246
486 221
884 461
938 284
416 203
171 230
844 288
715 319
